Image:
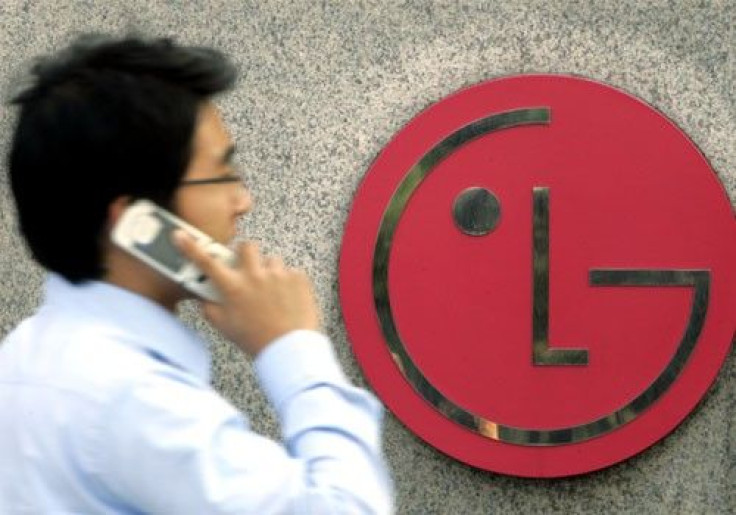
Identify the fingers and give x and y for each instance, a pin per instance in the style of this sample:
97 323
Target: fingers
250 258
210 266
273 263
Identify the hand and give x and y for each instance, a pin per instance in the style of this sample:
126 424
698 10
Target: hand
262 299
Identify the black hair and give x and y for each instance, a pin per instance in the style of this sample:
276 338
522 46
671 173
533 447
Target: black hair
104 118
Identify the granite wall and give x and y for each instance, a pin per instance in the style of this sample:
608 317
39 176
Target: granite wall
324 87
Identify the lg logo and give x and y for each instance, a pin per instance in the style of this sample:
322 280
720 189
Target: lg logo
537 275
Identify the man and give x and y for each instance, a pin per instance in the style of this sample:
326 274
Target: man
105 402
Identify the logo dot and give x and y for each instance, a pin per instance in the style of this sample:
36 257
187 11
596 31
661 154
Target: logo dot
476 211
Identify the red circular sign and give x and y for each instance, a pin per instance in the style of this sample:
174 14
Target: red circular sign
537 275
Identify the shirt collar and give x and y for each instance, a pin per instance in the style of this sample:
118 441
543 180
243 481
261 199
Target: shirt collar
148 325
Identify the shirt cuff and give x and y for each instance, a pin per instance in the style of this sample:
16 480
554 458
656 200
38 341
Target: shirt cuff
295 362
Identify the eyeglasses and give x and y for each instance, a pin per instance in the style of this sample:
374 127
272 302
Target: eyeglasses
229 178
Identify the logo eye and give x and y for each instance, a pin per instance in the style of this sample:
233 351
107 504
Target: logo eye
476 211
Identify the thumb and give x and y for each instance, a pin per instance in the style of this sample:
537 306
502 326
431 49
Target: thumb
214 313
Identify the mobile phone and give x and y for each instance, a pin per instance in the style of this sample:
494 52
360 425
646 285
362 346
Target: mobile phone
145 230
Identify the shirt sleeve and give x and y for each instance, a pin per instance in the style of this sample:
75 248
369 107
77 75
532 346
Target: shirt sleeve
173 446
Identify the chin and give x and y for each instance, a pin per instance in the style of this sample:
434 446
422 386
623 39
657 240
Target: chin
224 240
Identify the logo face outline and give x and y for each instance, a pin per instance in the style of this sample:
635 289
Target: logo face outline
697 279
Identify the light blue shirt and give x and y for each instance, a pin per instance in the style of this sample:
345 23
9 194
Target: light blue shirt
106 407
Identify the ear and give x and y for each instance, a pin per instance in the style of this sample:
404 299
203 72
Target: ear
116 208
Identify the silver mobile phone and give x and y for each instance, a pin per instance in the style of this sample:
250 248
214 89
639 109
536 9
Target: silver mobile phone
145 229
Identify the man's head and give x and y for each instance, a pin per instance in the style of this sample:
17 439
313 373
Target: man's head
107 119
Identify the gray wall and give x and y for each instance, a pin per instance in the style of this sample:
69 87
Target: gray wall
324 87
